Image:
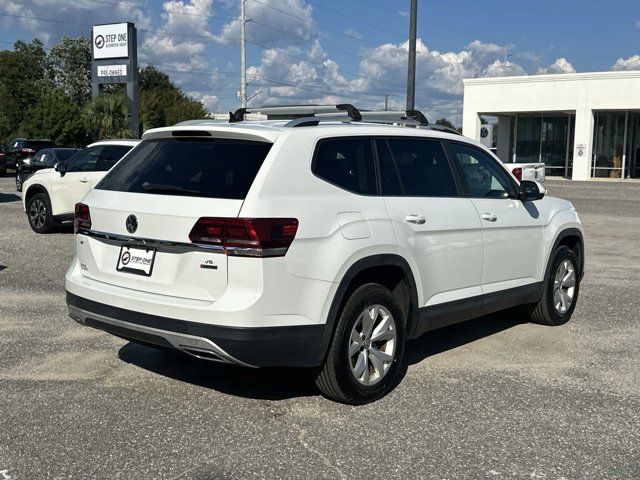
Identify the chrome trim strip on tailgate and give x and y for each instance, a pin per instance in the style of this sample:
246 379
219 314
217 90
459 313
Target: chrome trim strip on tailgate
161 245
180 247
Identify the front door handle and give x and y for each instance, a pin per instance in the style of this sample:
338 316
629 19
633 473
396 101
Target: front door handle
83 180
489 217
417 219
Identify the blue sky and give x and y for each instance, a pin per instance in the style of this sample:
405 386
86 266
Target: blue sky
350 50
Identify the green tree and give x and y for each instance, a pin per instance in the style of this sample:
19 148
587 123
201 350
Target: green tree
107 116
54 117
70 68
22 79
445 123
162 103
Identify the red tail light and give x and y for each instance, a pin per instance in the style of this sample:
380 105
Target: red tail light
27 150
246 237
82 218
517 172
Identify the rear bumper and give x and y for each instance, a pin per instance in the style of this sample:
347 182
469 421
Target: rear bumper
292 346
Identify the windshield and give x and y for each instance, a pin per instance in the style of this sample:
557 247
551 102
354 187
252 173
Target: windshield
195 167
65 154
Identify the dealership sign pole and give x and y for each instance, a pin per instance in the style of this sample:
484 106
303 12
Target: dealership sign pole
115 60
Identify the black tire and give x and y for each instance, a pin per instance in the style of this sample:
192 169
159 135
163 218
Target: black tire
38 223
545 312
335 378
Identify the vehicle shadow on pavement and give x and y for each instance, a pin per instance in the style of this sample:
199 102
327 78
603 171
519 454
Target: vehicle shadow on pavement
256 383
66 227
9 197
454 336
283 383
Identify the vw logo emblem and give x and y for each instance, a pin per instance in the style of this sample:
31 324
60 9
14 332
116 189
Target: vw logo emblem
484 132
131 223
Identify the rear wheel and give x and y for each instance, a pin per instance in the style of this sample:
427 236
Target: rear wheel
561 289
366 352
39 213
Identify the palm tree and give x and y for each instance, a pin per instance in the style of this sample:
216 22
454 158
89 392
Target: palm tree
107 116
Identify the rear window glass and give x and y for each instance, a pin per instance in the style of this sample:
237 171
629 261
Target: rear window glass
212 168
37 145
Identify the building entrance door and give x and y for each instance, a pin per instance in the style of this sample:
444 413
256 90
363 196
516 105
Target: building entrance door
609 145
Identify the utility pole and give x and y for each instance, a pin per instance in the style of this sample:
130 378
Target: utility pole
411 72
243 57
386 103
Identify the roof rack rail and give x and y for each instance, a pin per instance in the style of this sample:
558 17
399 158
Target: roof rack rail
443 128
290 112
413 118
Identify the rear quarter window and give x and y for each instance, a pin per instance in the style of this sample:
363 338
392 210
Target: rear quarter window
212 168
346 162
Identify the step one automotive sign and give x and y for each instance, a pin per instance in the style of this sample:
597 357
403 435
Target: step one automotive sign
110 41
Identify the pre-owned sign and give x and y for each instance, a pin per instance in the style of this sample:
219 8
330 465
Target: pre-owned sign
110 41
112 70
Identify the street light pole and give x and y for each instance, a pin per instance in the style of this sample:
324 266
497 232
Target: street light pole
243 57
411 72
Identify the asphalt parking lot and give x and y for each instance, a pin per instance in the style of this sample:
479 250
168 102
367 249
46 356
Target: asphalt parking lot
492 398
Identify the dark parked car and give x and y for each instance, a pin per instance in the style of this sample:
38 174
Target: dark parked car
46 158
22 150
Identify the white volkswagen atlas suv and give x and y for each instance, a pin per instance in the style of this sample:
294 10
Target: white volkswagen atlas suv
49 195
326 240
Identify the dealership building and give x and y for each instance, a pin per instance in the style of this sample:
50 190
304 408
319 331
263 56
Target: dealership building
581 125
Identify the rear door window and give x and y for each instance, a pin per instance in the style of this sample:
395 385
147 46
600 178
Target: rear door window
212 168
421 165
347 163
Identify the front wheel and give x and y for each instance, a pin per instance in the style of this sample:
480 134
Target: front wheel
561 289
39 213
365 355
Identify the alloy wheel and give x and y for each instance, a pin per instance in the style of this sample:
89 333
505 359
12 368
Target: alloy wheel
564 286
372 345
38 213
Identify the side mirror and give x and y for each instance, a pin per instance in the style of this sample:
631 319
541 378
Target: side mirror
61 168
531 191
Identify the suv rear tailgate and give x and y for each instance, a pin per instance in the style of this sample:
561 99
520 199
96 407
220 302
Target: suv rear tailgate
179 268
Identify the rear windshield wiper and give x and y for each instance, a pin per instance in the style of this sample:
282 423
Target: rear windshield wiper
168 189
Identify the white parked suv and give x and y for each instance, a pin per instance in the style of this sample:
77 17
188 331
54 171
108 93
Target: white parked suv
325 241
49 195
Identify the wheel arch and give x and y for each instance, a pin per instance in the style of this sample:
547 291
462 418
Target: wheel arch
32 190
397 276
572 238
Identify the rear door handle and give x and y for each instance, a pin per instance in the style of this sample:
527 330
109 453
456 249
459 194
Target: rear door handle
417 219
83 180
489 217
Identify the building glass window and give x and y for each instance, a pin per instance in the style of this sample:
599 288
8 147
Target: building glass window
609 143
546 138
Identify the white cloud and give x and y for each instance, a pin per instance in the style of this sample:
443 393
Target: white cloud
210 101
561 65
630 63
273 23
72 18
